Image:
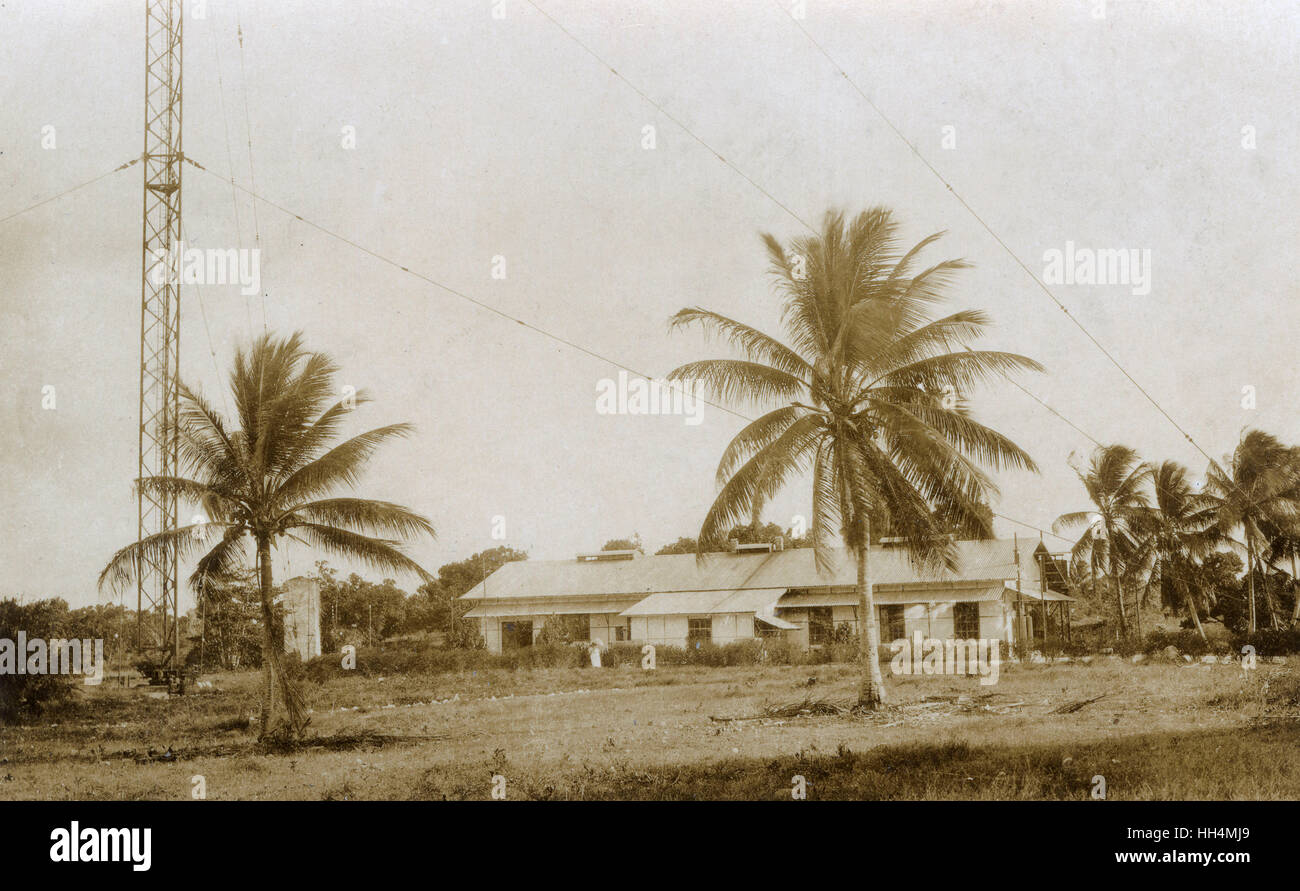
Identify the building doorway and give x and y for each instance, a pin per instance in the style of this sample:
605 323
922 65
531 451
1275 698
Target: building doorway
516 634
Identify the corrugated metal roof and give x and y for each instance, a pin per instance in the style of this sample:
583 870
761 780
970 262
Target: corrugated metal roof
794 568
550 606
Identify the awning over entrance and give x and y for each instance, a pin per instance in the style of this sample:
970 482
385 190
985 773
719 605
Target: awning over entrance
1049 596
676 603
776 622
759 601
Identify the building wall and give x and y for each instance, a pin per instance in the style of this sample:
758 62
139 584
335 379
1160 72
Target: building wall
937 620
1001 619
660 630
490 629
932 621
845 615
840 615
731 627
603 627
671 631
602 614
996 621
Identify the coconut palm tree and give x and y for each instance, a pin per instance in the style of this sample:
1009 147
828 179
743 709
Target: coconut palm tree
1175 532
1254 492
1116 483
870 400
1282 538
270 479
1285 546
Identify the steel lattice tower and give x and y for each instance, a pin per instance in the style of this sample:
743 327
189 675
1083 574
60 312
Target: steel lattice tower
157 593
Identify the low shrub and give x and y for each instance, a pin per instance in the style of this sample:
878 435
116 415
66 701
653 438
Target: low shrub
1269 642
29 694
741 652
619 654
418 657
1186 641
778 651
424 657
1073 649
1128 646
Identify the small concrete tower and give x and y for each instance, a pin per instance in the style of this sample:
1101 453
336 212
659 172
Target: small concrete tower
302 617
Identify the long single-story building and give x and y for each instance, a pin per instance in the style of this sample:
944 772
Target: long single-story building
770 591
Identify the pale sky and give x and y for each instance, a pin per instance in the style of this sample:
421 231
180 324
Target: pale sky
1162 126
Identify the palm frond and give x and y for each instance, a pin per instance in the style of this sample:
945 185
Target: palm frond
961 370
225 561
206 447
737 381
341 465
155 549
360 515
1072 520
377 553
754 437
313 439
754 344
826 516
962 432
759 478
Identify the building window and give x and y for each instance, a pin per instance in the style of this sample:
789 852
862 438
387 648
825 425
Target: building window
892 624
579 627
566 628
820 625
966 621
698 631
516 634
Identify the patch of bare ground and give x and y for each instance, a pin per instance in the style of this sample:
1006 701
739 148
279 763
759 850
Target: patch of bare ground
1164 730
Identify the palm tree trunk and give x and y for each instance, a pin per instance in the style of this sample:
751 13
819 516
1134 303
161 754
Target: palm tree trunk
272 666
1271 602
1196 618
1190 599
268 637
872 692
1295 592
1114 581
1250 576
1137 613
1092 559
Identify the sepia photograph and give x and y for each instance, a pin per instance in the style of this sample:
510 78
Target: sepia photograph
415 403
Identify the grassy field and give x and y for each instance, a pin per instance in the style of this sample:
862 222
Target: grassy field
1158 731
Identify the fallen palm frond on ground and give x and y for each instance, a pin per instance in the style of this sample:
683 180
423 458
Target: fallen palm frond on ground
940 706
333 743
1071 707
801 709
344 741
930 707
